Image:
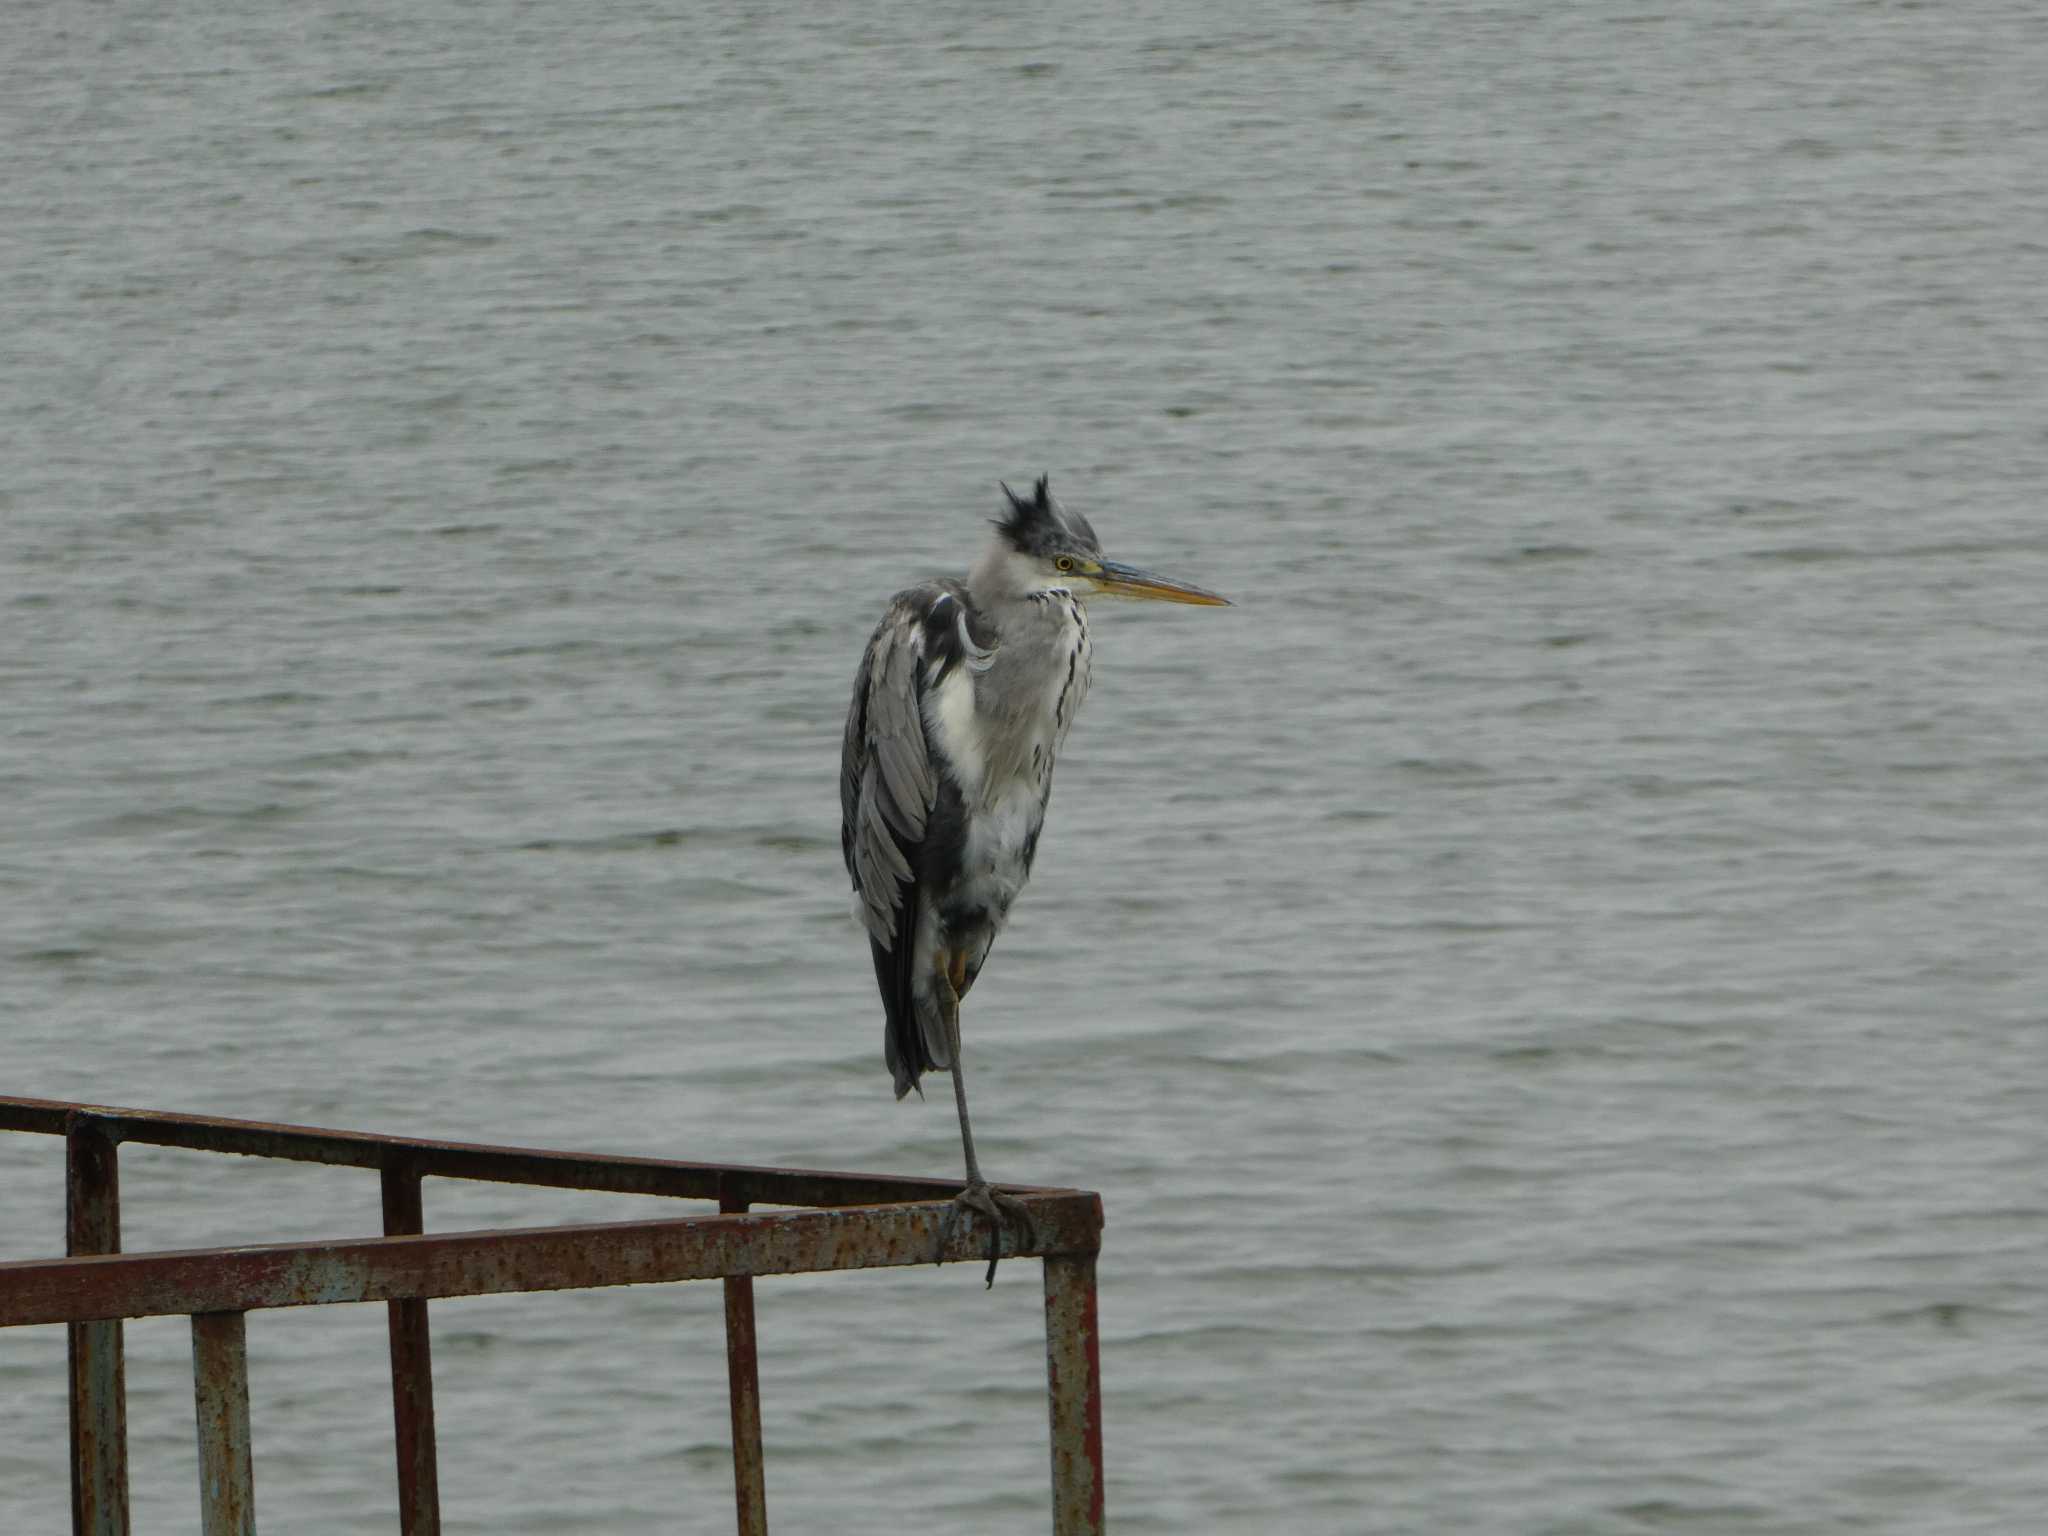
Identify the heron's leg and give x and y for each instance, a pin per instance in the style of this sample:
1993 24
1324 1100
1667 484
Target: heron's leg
979 1195
952 987
949 967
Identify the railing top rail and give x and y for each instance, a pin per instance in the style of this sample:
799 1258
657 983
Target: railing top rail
492 1262
728 1182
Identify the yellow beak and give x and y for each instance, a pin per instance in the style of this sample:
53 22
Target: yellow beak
1116 580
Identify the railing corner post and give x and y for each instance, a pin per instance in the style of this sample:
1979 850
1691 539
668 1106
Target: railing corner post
1073 1368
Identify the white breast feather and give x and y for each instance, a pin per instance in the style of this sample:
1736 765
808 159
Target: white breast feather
949 716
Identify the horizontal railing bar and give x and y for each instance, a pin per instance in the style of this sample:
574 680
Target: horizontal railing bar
522 1259
490 1164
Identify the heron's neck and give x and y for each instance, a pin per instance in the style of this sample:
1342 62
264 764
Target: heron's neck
1000 578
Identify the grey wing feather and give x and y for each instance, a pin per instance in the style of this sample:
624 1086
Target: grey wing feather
886 783
889 792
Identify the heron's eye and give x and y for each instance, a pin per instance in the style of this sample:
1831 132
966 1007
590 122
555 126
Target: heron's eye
1064 563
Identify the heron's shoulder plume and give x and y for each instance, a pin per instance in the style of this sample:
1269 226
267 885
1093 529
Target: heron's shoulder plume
1038 525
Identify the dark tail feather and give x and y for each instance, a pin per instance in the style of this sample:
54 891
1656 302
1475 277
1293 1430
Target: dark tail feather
902 1039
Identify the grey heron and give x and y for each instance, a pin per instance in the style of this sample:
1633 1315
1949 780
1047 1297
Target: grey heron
963 699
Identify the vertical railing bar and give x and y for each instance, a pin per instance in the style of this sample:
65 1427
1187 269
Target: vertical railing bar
99 1390
743 1377
1073 1369
412 1372
220 1393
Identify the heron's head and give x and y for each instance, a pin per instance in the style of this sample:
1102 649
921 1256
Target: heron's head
1041 545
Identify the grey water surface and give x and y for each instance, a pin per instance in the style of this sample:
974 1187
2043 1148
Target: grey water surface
1549 987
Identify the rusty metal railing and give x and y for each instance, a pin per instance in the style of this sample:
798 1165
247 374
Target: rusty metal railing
845 1221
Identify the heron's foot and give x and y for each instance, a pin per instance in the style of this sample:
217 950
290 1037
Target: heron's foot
1000 1210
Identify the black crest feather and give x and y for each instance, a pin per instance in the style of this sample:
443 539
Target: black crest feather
1038 525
